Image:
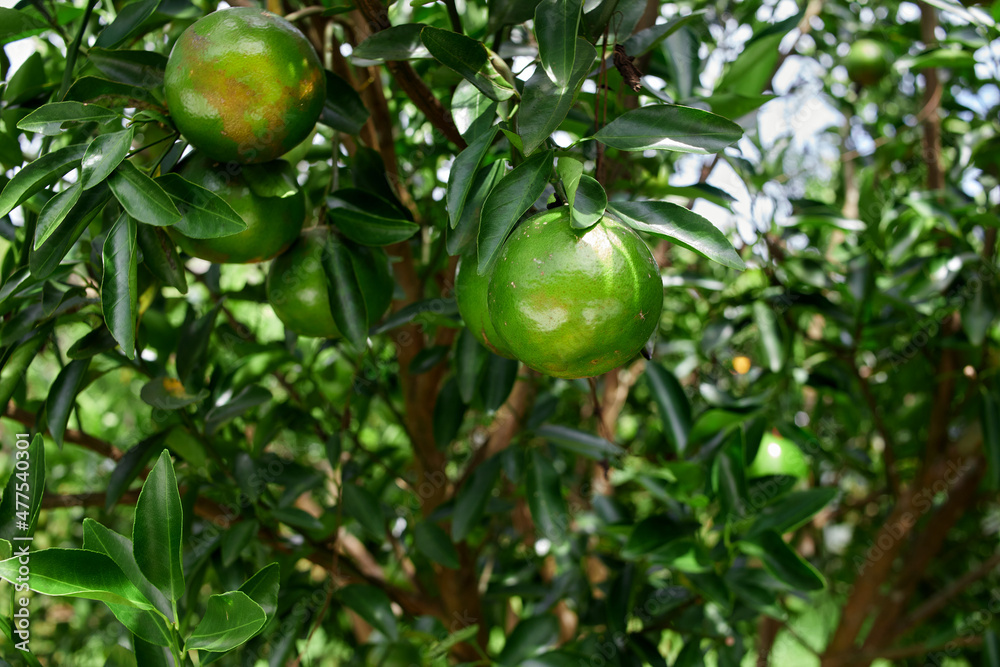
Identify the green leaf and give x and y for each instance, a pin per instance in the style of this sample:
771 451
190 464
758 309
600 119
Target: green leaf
130 465
142 69
990 415
473 112
683 227
569 168
651 534
119 285
690 655
150 655
782 562
16 364
112 94
530 637
373 605
431 540
50 119
166 393
501 374
729 479
670 128
14 23
449 409
118 548
343 109
544 105
770 335
991 649
463 172
25 488
143 623
156 534
398 42
672 404
470 502
589 203
127 23
142 197
54 212
557 23
362 505
507 202
104 154
580 442
362 218
237 539
347 302
945 58
249 397
263 587
40 174
160 256
203 214
43 260
793 511
548 507
62 396
462 240
271 179
230 620
640 43
192 353
77 573
750 73
468 57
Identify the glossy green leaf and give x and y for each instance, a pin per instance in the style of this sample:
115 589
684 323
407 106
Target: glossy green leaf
95 342
794 510
729 480
782 562
364 218
470 356
548 507
544 105
398 42
680 225
142 197
203 214
501 374
192 353
431 540
343 109
473 112
104 154
14 23
530 637
651 534
247 398
130 465
237 539
569 168
672 404
463 239
156 534
54 212
111 94
77 573
263 587
371 604
770 335
127 23
362 505
142 69
25 488
150 655
50 119
670 128
644 40
100 539
750 73
470 58
463 172
230 620
159 255
12 373
589 203
62 396
143 623
557 23
38 175
470 501
990 415
507 202
119 286
580 442
347 302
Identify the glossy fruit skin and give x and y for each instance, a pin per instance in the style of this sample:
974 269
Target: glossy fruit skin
574 303
778 456
867 62
244 85
273 223
297 288
471 291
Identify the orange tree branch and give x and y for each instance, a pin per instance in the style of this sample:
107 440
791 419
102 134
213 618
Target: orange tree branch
932 97
80 438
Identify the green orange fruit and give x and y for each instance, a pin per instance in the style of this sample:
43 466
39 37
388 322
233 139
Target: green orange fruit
574 303
778 456
867 62
272 222
244 85
470 292
297 285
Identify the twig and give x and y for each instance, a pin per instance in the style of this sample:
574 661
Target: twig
456 20
937 602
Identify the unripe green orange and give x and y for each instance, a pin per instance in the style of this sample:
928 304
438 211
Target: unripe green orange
470 293
574 303
244 85
867 62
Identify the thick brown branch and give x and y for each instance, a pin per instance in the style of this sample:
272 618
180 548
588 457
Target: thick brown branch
932 94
